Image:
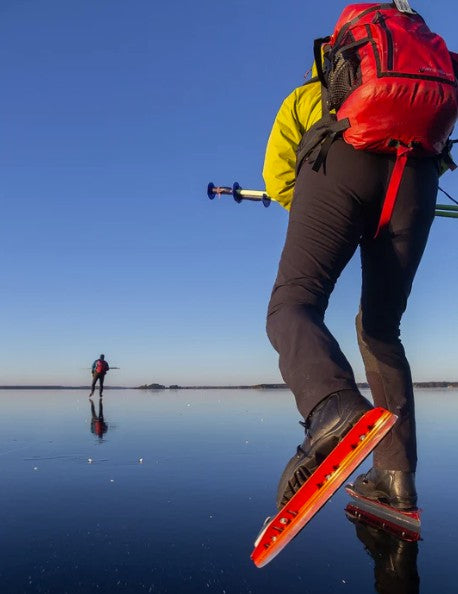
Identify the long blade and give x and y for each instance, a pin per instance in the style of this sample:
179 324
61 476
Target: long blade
322 484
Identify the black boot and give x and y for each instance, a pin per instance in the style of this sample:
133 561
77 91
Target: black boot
326 425
395 488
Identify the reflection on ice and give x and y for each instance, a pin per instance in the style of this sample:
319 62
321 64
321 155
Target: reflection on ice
176 500
395 560
98 425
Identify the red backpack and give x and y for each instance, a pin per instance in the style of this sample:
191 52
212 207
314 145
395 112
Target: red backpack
100 366
389 86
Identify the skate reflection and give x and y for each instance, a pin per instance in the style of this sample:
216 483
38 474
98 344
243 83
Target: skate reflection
395 559
98 425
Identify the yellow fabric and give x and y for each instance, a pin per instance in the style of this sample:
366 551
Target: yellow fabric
298 112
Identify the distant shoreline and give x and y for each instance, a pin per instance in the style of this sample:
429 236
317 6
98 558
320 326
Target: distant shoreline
363 385
63 388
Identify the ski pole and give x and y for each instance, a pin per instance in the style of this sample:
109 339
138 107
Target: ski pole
451 215
239 194
109 369
447 210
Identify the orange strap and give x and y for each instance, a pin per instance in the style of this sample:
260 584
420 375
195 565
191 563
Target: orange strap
393 187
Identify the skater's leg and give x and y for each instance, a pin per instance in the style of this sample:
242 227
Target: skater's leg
94 381
101 378
389 378
324 230
389 264
327 220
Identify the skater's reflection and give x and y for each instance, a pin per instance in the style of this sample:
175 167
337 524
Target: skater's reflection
395 559
98 425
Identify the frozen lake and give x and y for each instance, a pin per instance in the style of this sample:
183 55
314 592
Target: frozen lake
168 492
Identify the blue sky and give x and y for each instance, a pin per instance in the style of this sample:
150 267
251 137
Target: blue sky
114 117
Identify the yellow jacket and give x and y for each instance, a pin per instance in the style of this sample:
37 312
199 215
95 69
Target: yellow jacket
298 112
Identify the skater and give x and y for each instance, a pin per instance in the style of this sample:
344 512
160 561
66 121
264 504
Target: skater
336 200
99 370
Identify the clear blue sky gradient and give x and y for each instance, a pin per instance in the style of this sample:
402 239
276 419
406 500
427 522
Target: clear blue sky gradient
114 117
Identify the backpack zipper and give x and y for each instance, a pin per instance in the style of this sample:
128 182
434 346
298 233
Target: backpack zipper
380 20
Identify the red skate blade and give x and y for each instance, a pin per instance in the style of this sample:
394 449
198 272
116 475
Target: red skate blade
322 484
402 523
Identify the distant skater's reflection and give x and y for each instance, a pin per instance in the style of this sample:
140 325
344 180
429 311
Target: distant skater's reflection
98 425
395 560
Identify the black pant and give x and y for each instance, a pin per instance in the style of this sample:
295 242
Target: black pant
333 212
100 377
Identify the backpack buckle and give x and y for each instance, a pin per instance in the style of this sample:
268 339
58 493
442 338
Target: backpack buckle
403 6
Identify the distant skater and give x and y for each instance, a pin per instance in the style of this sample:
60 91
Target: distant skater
99 369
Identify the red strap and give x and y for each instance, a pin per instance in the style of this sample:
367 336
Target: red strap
393 187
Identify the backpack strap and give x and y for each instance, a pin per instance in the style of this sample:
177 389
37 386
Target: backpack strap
319 58
402 154
334 128
317 140
446 155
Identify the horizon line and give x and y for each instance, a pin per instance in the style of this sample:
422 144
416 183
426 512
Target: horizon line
155 386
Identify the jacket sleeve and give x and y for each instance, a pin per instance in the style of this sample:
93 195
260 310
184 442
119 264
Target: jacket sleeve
298 112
